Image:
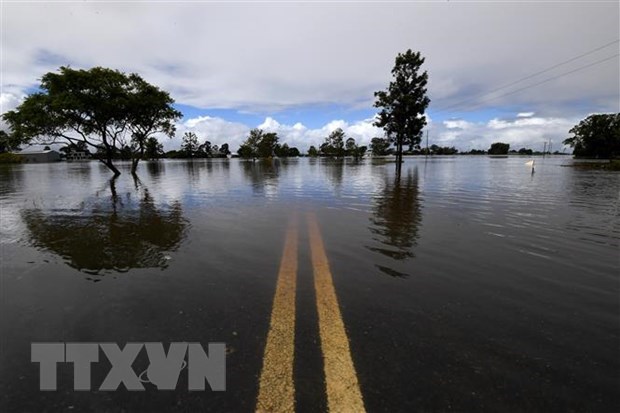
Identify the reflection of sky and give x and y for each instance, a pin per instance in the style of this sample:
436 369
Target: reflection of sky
201 184
476 188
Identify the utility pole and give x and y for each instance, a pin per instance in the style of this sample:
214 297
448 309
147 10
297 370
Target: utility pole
427 143
545 149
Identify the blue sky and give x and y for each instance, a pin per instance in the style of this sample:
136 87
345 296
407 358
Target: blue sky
303 69
313 116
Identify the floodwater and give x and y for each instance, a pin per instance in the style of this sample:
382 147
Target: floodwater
469 284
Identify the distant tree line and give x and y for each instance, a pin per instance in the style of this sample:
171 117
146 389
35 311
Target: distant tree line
337 145
261 144
192 148
114 115
522 151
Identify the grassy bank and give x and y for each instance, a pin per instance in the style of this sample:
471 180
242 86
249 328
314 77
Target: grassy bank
10 158
604 166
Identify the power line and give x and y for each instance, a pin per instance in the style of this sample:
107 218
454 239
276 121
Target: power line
572 59
553 78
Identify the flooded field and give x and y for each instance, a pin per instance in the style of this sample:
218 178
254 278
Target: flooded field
469 284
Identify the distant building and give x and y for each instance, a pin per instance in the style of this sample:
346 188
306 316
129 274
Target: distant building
77 156
40 157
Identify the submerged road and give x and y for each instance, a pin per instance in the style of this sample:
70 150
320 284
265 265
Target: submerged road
277 388
334 286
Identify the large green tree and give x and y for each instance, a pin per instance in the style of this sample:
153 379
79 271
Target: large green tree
334 144
267 145
205 150
379 146
249 148
499 148
597 136
403 103
354 150
190 145
224 150
104 108
153 148
259 144
312 151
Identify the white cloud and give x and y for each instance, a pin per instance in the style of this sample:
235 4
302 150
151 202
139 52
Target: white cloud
270 125
521 122
8 101
519 132
457 124
216 130
270 56
264 57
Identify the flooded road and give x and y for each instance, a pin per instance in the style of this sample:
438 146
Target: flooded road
468 284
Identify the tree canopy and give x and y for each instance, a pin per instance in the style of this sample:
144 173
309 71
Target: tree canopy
153 149
150 112
334 144
355 150
190 144
259 144
313 151
8 141
403 103
442 150
104 108
499 148
379 146
597 136
283 151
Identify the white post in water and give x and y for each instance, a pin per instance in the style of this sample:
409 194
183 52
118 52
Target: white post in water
531 163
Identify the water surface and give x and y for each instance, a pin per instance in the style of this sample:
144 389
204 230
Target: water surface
467 284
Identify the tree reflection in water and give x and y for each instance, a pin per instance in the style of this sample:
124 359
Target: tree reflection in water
396 217
263 175
111 234
155 168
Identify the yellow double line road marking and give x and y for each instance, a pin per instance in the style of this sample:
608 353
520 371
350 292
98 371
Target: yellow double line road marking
343 390
276 387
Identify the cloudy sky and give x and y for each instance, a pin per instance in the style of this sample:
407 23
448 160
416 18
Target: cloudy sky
521 72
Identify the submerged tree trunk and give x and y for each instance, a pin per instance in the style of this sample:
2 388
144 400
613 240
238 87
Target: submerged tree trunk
136 181
134 165
107 161
109 154
399 155
113 192
136 157
110 165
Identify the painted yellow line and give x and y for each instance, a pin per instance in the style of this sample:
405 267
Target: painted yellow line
276 388
342 386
